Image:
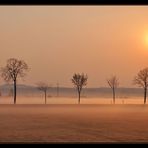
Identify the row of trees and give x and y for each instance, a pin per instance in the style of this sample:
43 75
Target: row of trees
15 68
141 79
80 80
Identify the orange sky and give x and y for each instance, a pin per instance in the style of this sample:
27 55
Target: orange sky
57 41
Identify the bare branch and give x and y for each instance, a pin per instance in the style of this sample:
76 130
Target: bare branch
42 86
113 82
13 69
142 78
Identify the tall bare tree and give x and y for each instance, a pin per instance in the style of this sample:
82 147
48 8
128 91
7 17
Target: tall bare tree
79 80
44 88
14 68
142 80
113 82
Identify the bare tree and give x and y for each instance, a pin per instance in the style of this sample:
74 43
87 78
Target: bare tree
79 80
142 80
43 87
113 82
14 68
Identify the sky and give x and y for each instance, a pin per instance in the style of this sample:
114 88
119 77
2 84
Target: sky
58 41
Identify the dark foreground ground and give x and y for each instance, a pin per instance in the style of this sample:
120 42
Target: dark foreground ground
73 123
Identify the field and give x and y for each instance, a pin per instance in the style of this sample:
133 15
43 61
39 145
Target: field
73 123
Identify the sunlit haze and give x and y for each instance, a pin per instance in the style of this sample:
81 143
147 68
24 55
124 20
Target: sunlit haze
58 41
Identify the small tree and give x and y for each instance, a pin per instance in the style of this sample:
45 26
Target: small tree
43 87
142 81
14 68
113 83
79 80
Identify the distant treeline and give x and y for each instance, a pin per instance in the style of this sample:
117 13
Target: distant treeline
102 92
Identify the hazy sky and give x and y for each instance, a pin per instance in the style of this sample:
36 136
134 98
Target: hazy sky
57 41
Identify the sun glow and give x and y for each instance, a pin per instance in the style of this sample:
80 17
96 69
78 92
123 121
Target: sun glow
146 40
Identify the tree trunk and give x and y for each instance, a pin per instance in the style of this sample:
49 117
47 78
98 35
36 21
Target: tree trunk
145 92
114 95
14 91
45 97
79 97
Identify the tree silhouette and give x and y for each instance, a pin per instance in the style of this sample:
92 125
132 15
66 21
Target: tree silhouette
43 87
142 81
14 68
113 83
79 80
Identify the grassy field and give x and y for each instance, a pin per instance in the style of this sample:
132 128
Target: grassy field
73 123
